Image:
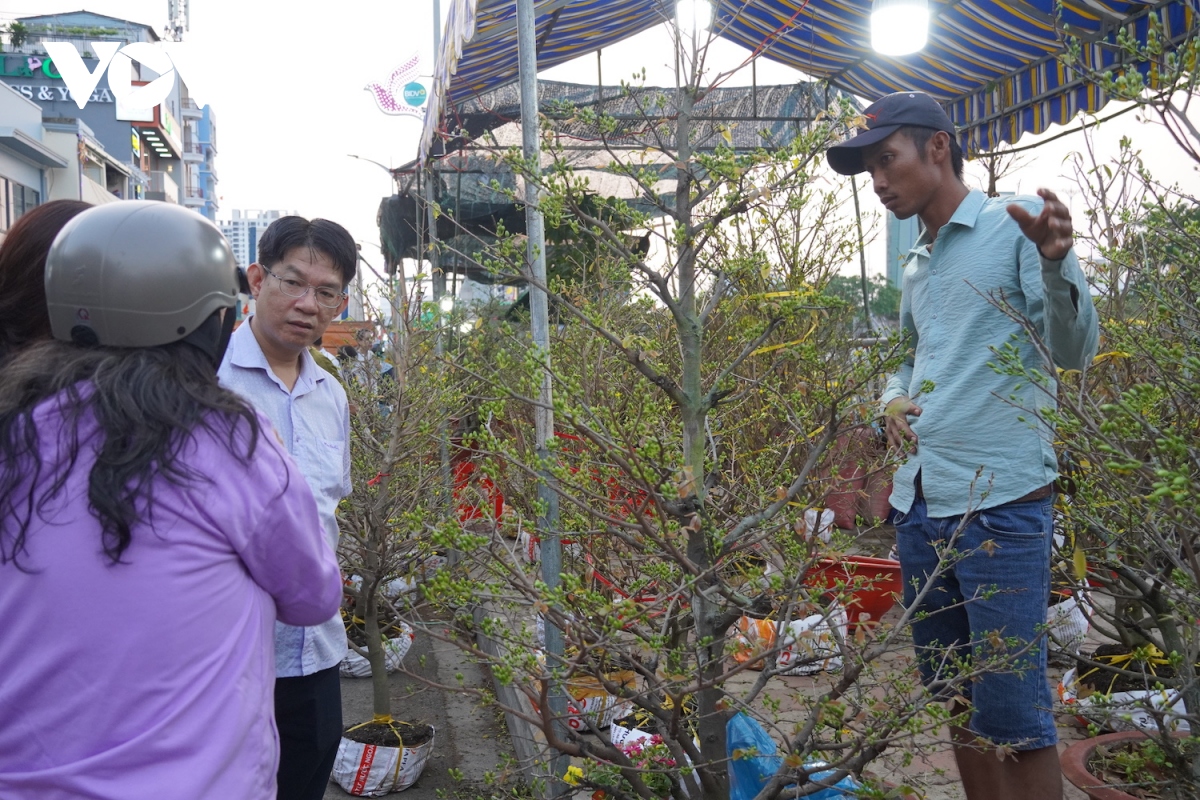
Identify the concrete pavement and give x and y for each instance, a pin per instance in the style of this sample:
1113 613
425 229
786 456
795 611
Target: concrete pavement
470 740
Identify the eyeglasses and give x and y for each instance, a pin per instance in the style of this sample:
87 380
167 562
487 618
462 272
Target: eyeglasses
326 297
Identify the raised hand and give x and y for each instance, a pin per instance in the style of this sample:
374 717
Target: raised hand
1050 230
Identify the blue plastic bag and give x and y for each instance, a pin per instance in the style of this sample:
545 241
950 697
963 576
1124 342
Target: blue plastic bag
753 762
840 790
748 774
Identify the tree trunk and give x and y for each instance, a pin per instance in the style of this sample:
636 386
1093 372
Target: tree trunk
368 604
380 695
714 778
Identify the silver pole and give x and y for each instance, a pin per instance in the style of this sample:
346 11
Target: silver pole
547 525
437 30
438 281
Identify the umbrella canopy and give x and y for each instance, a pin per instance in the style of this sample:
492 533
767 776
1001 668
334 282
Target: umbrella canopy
993 65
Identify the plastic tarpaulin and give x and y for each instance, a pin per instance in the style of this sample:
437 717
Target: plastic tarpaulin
993 65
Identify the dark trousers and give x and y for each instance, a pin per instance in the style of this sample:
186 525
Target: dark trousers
308 713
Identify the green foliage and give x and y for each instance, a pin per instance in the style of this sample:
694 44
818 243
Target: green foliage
76 31
696 399
1152 72
883 298
1128 429
18 33
1149 765
400 514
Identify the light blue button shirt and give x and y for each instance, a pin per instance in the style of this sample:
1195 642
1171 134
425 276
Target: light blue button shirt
979 444
313 422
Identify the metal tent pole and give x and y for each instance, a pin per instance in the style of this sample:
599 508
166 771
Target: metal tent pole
438 280
547 524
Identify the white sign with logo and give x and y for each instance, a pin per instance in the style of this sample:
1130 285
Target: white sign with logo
401 93
118 61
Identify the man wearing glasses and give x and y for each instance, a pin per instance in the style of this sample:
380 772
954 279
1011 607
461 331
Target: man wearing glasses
299 285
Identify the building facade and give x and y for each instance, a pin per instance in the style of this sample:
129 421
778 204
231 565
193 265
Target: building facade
244 230
26 159
151 143
200 155
91 174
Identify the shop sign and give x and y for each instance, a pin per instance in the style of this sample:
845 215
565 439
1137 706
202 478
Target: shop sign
27 67
46 94
415 94
82 81
399 93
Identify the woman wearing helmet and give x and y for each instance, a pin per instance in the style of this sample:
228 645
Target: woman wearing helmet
151 529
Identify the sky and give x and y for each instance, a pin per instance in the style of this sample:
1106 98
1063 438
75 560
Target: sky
286 82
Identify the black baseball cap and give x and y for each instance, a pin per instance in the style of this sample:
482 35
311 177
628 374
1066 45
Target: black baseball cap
884 117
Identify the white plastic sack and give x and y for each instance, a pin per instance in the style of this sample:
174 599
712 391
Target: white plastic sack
806 646
431 565
620 736
541 632
809 646
394 650
1068 624
818 523
1124 711
529 547
390 589
367 770
601 709
587 698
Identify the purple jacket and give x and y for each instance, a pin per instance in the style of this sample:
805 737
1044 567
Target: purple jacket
155 677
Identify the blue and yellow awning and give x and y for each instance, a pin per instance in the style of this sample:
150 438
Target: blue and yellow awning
994 65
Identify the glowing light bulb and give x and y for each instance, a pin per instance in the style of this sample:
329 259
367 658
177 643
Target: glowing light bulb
693 16
899 27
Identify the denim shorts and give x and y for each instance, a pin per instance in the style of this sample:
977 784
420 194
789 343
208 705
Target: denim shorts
996 590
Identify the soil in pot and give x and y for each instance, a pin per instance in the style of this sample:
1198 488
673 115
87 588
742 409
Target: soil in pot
1100 680
1143 769
390 734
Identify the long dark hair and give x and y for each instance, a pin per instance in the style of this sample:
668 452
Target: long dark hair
23 315
147 403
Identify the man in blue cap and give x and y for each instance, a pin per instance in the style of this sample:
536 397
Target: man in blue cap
979 461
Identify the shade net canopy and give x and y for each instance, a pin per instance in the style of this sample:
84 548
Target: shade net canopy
994 66
741 118
476 193
476 189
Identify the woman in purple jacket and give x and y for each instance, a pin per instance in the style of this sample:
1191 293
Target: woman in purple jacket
151 529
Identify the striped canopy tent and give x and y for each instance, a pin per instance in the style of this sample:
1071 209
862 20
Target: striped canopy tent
994 66
479 48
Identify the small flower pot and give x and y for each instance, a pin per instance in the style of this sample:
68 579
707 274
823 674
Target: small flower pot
1075 765
369 769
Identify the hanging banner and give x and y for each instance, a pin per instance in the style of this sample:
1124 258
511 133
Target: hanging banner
401 93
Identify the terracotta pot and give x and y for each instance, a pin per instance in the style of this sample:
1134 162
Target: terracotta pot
844 477
1075 765
875 504
879 592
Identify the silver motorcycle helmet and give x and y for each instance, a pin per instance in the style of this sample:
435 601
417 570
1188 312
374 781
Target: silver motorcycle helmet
140 273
